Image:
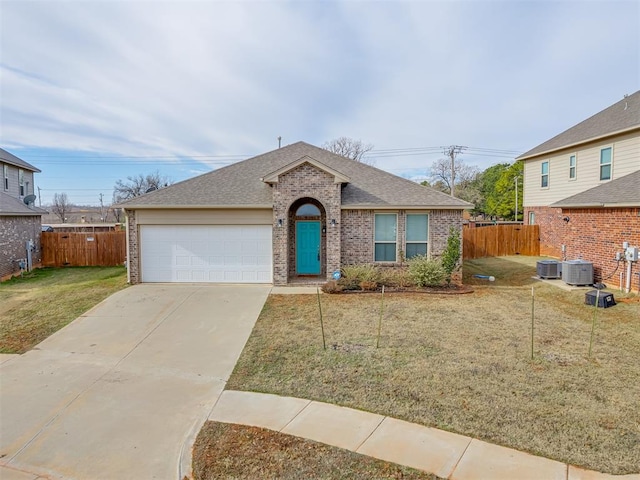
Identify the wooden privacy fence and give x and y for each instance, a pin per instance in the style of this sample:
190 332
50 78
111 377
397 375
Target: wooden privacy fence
67 249
498 240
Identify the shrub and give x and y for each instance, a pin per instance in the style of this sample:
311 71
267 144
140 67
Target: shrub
426 272
396 277
331 287
360 273
369 286
451 254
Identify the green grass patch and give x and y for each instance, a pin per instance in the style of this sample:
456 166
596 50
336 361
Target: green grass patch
43 301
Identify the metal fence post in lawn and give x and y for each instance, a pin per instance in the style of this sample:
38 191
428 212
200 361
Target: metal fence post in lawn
380 320
324 344
533 302
593 324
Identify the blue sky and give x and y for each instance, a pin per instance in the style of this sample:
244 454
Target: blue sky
94 91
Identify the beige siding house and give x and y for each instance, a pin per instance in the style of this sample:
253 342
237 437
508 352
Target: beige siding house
20 221
295 214
583 188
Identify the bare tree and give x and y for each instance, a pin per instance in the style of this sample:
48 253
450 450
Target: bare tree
441 172
138 185
61 206
350 148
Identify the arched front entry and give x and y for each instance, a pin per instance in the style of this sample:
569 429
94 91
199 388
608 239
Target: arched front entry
307 239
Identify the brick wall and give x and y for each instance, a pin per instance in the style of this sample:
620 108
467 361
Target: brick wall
595 235
551 229
14 233
440 221
357 234
295 187
133 260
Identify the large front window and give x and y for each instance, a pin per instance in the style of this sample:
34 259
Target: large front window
385 237
5 175
417 234
605 164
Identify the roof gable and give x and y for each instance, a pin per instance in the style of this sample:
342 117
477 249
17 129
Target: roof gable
242 185
621 192
11 159
621 117
338 177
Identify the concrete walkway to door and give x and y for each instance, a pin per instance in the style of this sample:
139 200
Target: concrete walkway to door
118 392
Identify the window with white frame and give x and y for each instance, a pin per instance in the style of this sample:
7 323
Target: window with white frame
5 175
572 167
544 175
417 234
21 182
385 237
605 163
532 218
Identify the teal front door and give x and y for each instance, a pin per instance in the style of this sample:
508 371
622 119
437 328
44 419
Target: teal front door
308 248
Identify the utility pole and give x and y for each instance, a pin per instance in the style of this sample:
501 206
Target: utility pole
451 151
101 209
39 198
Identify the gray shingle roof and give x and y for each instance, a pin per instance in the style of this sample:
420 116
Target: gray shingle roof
11 206
623 191
240 185
619 117
6 157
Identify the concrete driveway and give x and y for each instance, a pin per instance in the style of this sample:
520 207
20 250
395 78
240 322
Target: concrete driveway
117 393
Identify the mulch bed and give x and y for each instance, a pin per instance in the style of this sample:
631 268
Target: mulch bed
444 290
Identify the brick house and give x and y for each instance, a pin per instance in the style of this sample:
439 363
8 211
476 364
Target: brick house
296 213
19 222
583 188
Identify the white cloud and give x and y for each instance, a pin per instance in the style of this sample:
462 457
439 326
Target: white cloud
205 78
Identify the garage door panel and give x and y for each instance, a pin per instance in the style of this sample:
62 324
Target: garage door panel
212 253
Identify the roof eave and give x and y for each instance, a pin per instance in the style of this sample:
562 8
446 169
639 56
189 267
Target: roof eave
194 207
575 144
596 205
370 206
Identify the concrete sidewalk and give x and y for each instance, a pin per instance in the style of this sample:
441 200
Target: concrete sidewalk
119 392
445 454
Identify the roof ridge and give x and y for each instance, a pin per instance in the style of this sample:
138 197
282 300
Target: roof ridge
633 98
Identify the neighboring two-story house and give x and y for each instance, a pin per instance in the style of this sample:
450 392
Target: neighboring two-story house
20 221
583 188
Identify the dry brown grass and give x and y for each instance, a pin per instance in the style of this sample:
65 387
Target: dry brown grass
241 452
45 300
462 363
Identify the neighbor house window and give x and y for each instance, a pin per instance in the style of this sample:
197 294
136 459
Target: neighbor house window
544 177
21 181
5 175
417 234
532 218
385 237
605 163
572 167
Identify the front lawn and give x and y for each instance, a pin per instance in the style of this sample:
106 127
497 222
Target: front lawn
462 363
45 300
237 451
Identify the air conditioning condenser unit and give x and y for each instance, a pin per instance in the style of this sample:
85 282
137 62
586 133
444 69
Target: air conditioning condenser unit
549 269
577 272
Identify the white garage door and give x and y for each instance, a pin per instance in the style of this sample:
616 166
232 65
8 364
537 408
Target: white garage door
206 253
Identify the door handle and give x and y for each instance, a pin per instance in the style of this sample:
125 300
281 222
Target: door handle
318 255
